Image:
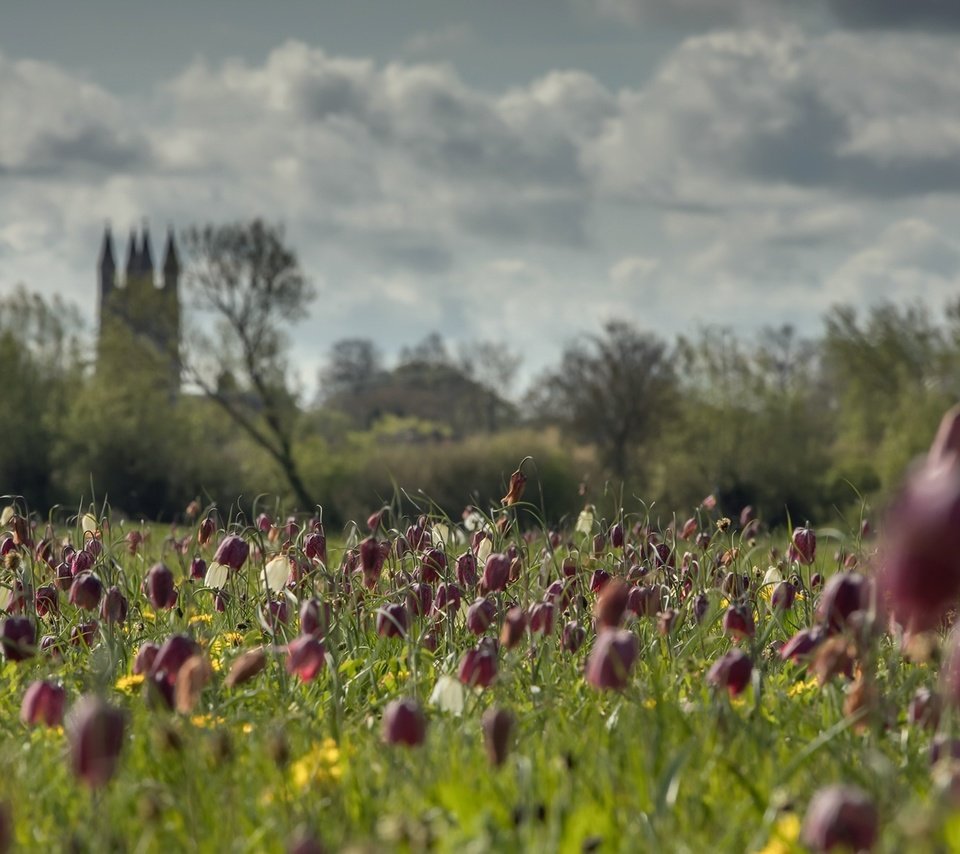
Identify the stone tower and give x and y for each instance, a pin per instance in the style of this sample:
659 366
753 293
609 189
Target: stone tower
139 333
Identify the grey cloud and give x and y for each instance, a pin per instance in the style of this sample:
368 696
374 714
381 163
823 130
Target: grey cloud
425 258
91 148
897 14
545 221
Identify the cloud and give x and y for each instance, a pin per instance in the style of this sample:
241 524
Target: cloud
438 41
897 14
910 260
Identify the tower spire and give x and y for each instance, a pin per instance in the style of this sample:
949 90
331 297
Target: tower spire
133 257
146 254
171 260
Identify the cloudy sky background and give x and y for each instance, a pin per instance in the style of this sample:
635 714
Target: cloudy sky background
516 171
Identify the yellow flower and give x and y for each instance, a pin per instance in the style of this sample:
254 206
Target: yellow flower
200 618
649 703
247 728
206 721
129 684
319 767
148 615
784 836
221 643
803 689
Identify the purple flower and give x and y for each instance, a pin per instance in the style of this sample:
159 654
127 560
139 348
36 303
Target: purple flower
840 816
403 723
159 587
497 726
731 671
18 637
43 703
232 552
305 657
496 573
611 659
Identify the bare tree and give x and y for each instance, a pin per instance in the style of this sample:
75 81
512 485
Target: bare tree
612 389
252 283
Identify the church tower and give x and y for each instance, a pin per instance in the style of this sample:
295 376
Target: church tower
139 334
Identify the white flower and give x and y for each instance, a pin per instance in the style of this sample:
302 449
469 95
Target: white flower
448 695
277 571
585 520
217 574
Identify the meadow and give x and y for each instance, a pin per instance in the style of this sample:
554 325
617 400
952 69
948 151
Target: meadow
414 682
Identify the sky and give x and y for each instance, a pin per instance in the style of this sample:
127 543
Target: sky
517 171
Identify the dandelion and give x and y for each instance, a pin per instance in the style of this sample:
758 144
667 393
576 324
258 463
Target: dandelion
317 768
200 619
129 685
784 836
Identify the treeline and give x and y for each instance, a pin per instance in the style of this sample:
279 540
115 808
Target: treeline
805 427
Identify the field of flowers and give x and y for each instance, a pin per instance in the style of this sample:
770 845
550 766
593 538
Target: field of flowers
631 684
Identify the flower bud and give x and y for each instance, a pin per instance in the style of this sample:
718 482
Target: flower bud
84 634
573 636
497 726
514 625
232 552
542 618
467 570
738 622
46 600
371 562
611 604
783 596
496 573
246 667
85 591
95 730
206 530
419 599
731 671
598 580
315 546
43 702
159 588
433 566
612 659
198 569
804 544
843 595
316 617
146 655
447 600
840 816
114 606
480 615
478 667
172 655
403 723
392 621
18 637
803 644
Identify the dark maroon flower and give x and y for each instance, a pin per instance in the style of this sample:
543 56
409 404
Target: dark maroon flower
159 588
731 671
114 606
316 617
305 657
315 546
206 530
701 604
497 726
738 622
18 637
802 644
82 561
843 595
783 596
573 636
86 590
514 625
447 600
95 730
392 621
232 552
146 655
496 573
420 599
403 723
46 600
612 658
480 615
467 570
43 702
598 580
433 566
560 592
171 656
198 569
924 708
616 536
264 523
274 614
840 816
371 562
478 666
804 543
84 633
735 585
644 601
542 617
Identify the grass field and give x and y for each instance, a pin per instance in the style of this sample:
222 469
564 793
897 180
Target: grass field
268 725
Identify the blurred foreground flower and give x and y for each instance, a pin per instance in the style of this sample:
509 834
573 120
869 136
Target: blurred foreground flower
95 729
731 671
840 817
403 723
497 727
612 658
43 702
920 573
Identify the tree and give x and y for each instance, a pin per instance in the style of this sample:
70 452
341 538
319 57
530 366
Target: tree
614 390
354 365
252 283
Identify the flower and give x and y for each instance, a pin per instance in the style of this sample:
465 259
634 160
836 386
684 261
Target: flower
840 816
612 658
496 573
403 723
43 702
784 836
319 767
497 726
518 480
159 587
129 684
95 729
18 637
305 657
731 671
232 552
